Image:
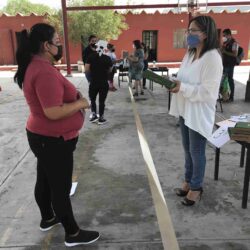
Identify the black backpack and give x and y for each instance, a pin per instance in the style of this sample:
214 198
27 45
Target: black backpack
240 55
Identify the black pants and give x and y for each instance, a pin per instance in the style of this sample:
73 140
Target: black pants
54 178
144 69
102 90
112 73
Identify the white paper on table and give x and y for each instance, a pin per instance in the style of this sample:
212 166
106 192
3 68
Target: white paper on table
73 188
226 123
239 118
220 137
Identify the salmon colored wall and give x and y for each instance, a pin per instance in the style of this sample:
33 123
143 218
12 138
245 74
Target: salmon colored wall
166 24
19 22
11 24
75 53
6 50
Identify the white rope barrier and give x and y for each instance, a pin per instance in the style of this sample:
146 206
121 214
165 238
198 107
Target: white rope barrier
164 220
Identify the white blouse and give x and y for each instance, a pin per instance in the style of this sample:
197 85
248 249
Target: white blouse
196 99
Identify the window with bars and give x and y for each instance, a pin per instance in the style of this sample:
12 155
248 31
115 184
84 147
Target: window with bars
149 37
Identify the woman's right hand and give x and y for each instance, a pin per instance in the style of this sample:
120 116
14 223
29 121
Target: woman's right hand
176 88
67 109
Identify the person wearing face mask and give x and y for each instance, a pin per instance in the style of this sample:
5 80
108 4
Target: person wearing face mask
229 54
88 51
58 56
56 116
194 100
112 55
136 65
99 67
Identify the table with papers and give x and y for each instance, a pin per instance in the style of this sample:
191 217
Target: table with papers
221 137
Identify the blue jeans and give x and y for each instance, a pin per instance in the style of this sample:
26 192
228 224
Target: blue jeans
229 70
194 146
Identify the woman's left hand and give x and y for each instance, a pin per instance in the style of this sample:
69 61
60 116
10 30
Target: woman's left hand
176 88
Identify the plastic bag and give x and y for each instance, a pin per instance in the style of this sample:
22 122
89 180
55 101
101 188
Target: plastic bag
224 88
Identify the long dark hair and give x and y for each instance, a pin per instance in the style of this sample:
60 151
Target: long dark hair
29 44
207 25
137 44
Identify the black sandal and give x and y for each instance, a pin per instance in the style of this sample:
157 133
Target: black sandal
180 192
187 202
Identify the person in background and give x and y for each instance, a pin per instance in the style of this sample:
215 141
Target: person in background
99 67
56 116
136 66
194 101
229 54
145 49
88 51
112 55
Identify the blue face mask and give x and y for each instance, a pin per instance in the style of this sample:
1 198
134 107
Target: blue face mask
193 41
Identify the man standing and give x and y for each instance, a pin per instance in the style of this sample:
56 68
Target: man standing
98 66
88 51
229 54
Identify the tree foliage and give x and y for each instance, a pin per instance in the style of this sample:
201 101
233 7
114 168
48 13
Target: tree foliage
105 24
26 7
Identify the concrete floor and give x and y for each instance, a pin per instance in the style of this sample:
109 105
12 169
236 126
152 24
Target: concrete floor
113 194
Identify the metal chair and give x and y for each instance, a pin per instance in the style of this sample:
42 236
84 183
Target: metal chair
123 72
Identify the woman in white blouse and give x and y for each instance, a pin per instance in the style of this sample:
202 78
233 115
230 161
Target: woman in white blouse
194 101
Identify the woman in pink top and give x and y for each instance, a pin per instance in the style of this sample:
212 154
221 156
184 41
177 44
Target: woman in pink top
56 116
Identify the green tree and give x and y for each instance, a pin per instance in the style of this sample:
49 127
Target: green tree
26 7
106 24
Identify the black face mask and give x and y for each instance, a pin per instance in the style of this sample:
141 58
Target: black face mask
93 45
59 54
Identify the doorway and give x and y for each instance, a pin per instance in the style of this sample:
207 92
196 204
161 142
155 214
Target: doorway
150 38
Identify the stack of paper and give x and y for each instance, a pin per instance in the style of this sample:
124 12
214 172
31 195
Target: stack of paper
241 132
